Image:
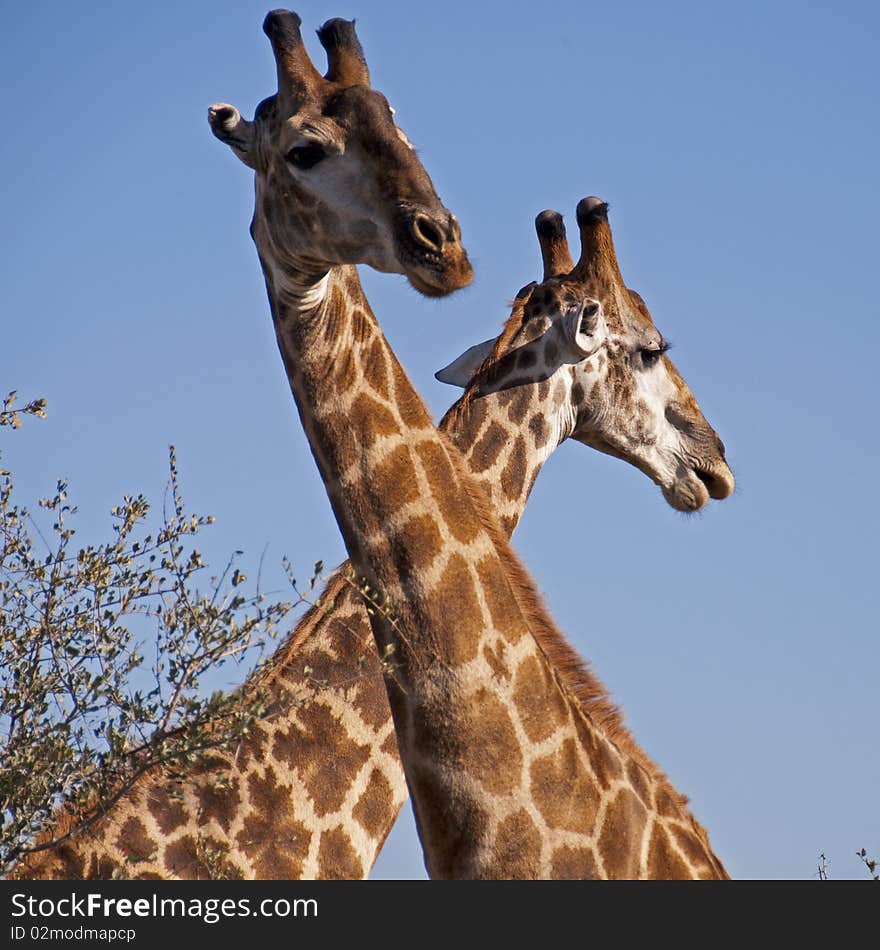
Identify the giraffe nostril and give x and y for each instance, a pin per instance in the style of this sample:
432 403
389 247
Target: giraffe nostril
719 486
720 445
426 232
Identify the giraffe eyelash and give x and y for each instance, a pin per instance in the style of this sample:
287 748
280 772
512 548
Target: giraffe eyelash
650 356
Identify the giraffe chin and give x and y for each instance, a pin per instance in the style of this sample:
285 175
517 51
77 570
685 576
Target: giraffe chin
435 284
692 490
687 495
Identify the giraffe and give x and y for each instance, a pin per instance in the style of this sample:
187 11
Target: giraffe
517 762
185 847
314 791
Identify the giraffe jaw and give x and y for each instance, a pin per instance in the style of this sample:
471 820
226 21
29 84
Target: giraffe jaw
687 484
441 288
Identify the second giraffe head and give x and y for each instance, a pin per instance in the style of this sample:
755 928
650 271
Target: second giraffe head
582 356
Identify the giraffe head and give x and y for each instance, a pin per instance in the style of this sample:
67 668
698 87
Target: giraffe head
337 182
592 347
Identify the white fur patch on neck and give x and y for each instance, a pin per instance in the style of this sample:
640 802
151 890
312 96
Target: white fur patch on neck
301 297
314 295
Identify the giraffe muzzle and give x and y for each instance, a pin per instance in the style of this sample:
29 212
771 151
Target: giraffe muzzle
718 484
430 251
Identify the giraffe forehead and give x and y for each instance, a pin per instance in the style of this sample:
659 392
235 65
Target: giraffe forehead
319 127
363 112
552 296
351 112
630 321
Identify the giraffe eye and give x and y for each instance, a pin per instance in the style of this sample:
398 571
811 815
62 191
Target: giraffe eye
650 355
306 156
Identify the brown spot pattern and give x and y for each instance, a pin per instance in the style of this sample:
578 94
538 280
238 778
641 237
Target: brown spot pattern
456 613
367 696
375 809
273 840
323 754
389 745
337 859
169 813
498 597
689 842
518 846
565 796
514 474
621 838
417 543
519 402
456 508
375 368
412 410
181 859
485 451
639 782
101 868
666 804
604 759
218 802
394 479
345 372
368 419
531 686
491 752
495 659
664 864
538 428
574 864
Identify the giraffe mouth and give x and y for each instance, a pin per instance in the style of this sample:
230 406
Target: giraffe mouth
440 281
716 487
694 486
425 287
430 251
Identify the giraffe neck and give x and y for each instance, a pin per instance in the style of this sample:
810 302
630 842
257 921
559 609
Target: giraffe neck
506 436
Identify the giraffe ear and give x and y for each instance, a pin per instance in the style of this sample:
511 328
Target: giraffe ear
228 125
584 328
461 371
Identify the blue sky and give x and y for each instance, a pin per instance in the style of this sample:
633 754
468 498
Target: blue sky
736 147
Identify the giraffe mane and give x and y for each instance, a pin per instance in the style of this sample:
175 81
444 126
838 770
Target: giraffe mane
268 671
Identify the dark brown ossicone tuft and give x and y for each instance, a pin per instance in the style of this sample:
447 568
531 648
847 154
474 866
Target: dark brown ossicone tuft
549 225
590 210
345 56
283 29
297 77
598 262
554 244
